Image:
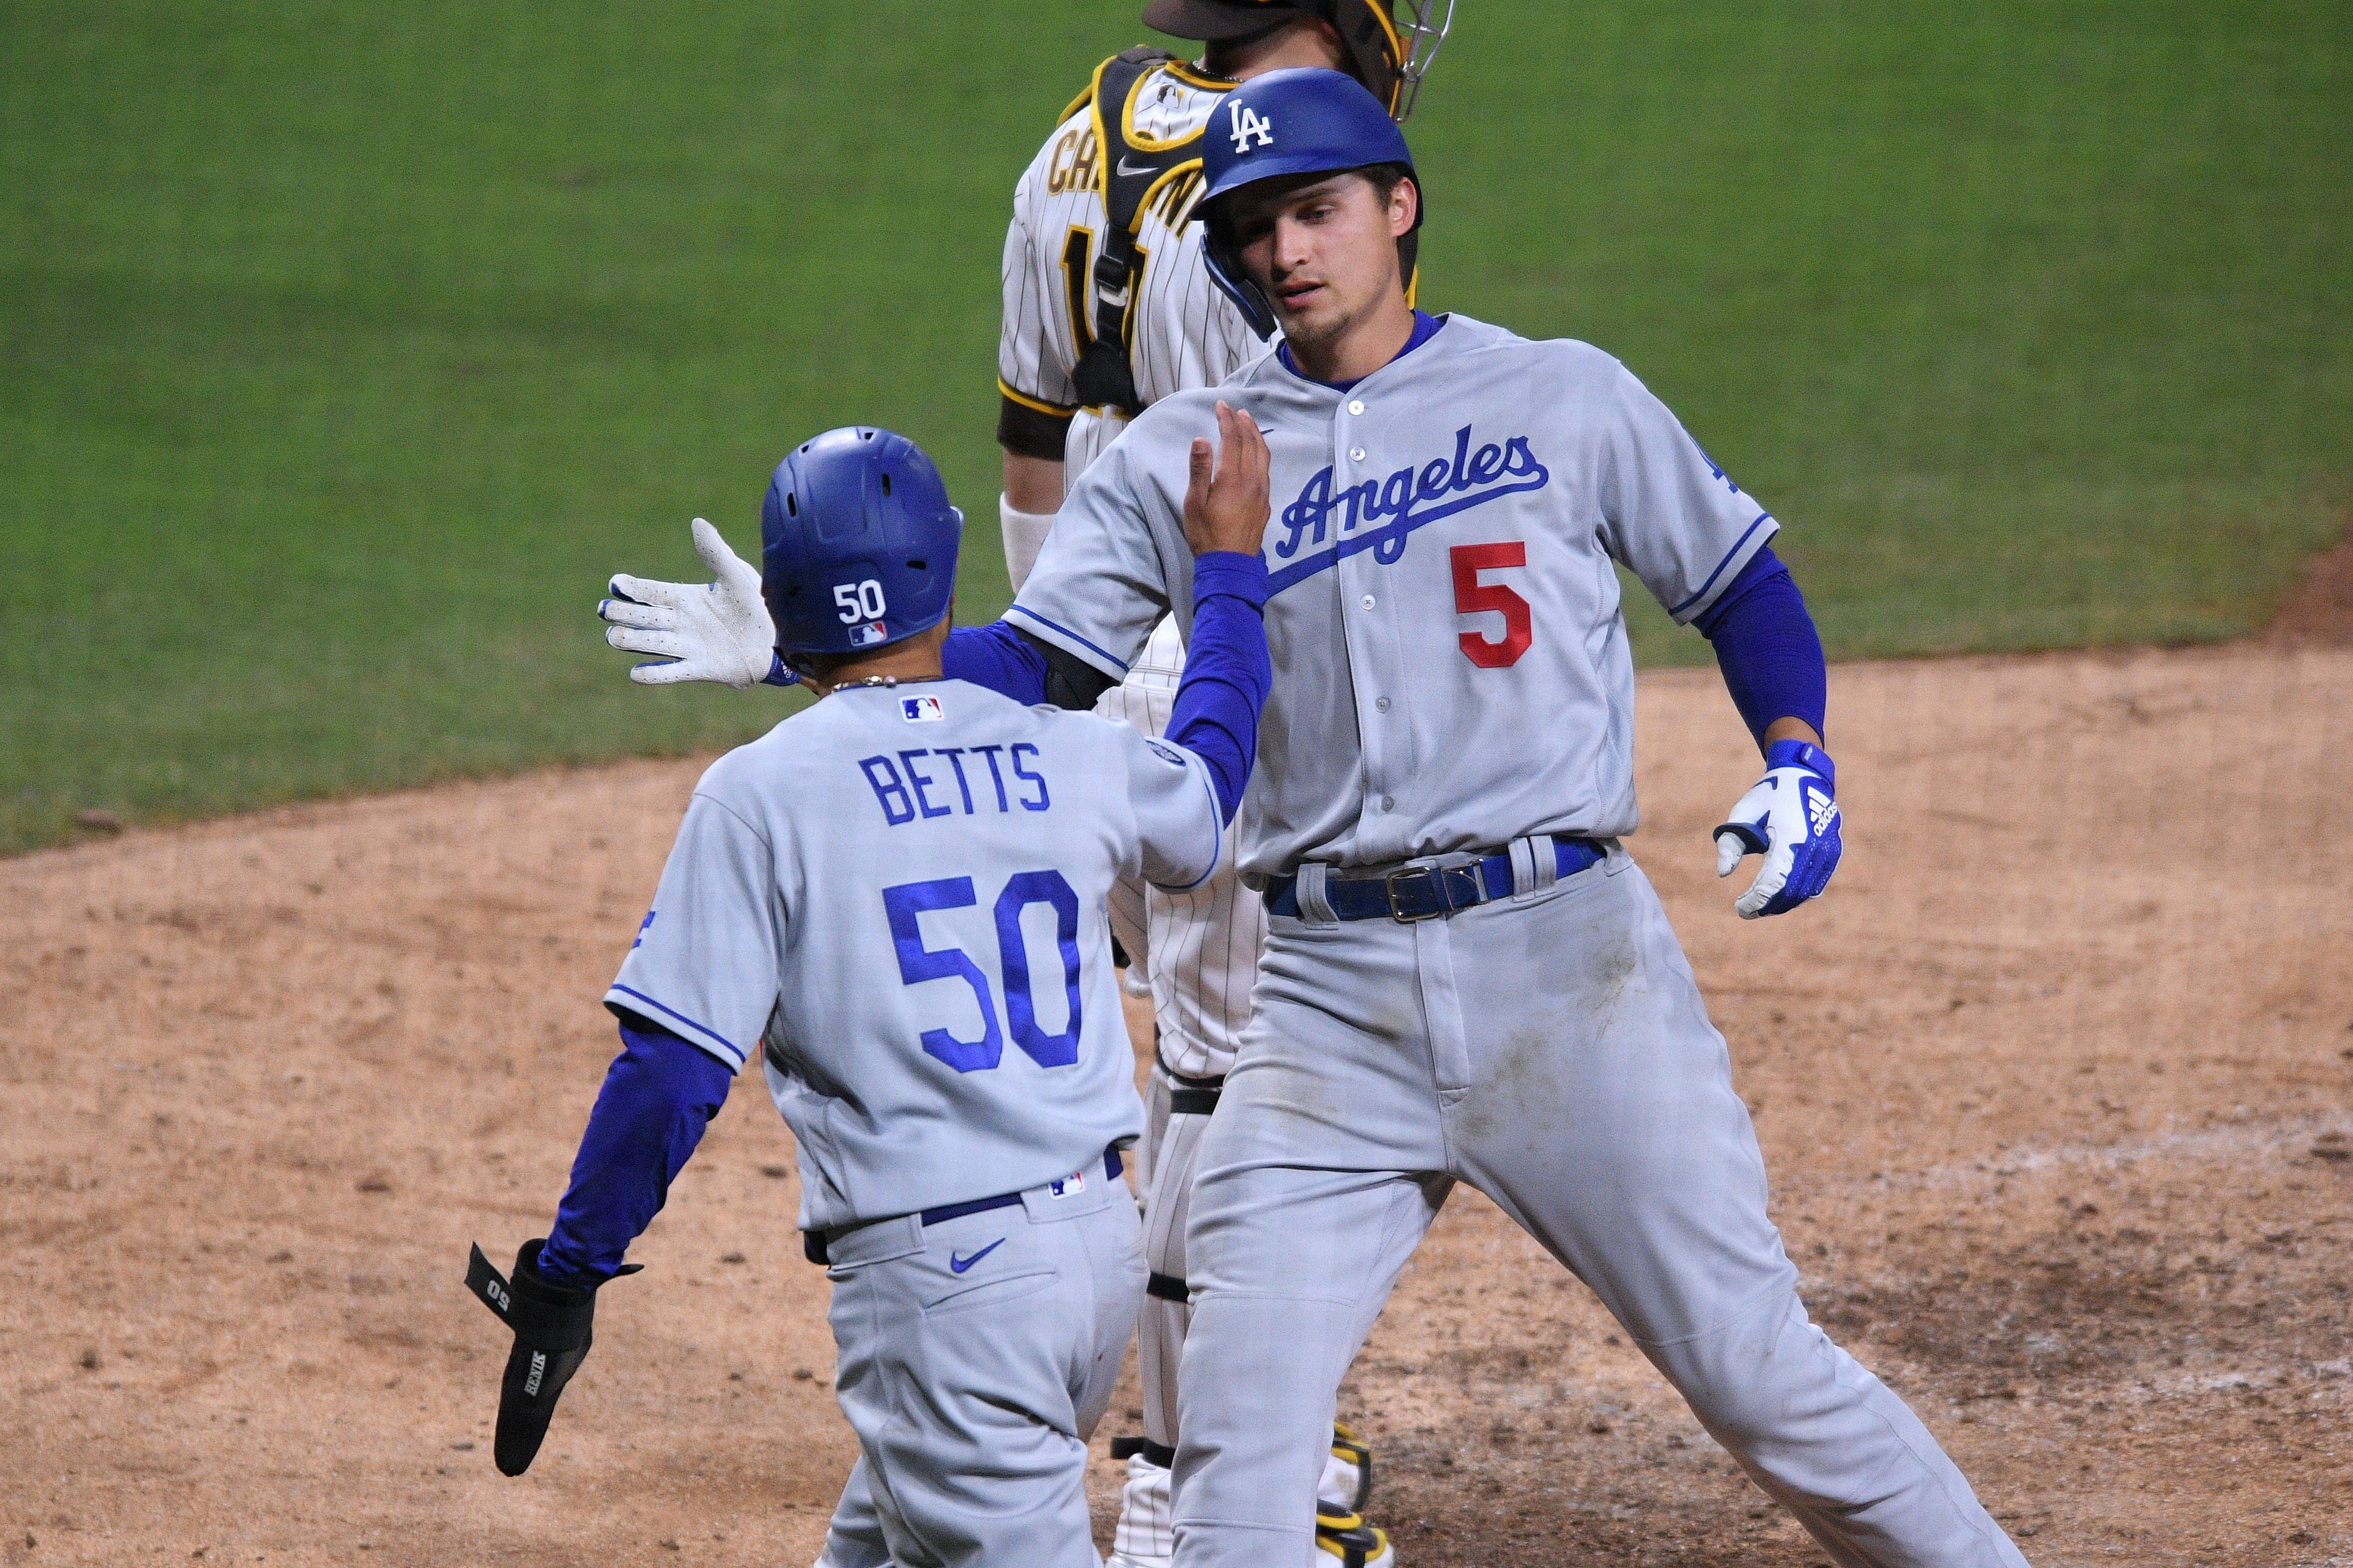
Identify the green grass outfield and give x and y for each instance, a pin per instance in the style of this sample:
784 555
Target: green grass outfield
344 348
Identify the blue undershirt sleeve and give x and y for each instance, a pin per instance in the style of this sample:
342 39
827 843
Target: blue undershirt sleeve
1766 646
1227 672
658 1095
999 657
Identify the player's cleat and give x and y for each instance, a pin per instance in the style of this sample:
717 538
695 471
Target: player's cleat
1357 1544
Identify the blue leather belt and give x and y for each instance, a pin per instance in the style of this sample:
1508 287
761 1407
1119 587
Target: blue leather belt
814 1242
1425 892
1111 1168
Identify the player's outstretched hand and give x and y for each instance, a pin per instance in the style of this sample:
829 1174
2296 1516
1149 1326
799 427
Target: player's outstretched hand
1790 817
716 631
551 1325
1226 504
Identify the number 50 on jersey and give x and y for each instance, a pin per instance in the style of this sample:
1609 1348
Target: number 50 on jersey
905 905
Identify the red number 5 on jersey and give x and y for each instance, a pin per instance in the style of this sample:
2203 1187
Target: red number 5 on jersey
1472 596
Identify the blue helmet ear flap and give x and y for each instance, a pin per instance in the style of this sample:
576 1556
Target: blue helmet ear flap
1234 281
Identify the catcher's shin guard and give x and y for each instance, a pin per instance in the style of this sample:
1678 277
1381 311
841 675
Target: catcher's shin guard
1346 1487
1347 1483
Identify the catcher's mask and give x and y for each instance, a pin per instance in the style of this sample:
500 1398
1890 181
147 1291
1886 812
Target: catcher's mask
1389 42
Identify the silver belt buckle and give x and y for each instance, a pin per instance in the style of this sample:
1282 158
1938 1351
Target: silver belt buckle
1430 877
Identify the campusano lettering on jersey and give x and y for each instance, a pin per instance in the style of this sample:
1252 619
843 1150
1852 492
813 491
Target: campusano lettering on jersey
1180 330
1414 496
904 784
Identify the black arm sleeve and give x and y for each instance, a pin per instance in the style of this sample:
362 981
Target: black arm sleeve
1030 431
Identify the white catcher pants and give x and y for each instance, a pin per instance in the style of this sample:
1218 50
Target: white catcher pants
1176 1140
1552 1051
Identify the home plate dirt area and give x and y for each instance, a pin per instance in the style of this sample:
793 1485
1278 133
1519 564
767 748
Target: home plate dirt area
2055 1087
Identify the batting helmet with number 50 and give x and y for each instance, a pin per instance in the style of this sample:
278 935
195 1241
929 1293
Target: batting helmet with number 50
859 544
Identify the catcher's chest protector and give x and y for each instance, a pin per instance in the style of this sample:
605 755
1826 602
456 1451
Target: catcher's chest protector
1132 171
1135 171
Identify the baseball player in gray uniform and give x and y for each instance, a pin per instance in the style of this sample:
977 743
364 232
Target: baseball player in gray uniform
1466 979
1109 305
894 899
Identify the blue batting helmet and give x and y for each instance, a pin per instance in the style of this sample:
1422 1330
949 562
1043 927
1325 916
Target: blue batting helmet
1282 124
858 543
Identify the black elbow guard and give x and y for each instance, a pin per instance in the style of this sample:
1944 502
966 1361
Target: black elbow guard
1070 681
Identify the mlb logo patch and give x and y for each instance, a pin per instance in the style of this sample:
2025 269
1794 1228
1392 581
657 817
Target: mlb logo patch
919 709
1076 1182
868 635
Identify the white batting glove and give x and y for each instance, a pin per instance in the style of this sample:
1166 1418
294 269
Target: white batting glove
717 631
1790 817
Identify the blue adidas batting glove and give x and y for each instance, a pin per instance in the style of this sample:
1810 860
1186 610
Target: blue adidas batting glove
1790 817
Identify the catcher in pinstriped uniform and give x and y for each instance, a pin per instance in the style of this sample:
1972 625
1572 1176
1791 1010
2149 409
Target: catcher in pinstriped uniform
1094 331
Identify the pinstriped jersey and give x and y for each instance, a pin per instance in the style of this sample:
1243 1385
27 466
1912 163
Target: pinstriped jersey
1203 942
1199 946
1183 332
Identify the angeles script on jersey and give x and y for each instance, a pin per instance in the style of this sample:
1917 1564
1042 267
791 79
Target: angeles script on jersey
1451 666
900 891
1184 333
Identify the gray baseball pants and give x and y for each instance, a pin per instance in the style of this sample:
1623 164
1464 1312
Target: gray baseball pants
974 1390
1552 1051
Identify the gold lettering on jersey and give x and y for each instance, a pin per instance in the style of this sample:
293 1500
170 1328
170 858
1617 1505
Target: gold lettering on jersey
1175 199
1075 274
1072 166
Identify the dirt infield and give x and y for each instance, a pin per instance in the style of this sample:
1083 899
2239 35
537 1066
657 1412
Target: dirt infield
2318 612
2056 1087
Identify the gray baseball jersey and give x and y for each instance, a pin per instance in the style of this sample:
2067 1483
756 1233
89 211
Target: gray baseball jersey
900 891
1451 668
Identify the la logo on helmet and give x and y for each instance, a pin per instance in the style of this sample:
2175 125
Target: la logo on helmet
1248 124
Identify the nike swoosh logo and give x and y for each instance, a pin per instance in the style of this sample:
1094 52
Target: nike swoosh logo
961 1264
1126 173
